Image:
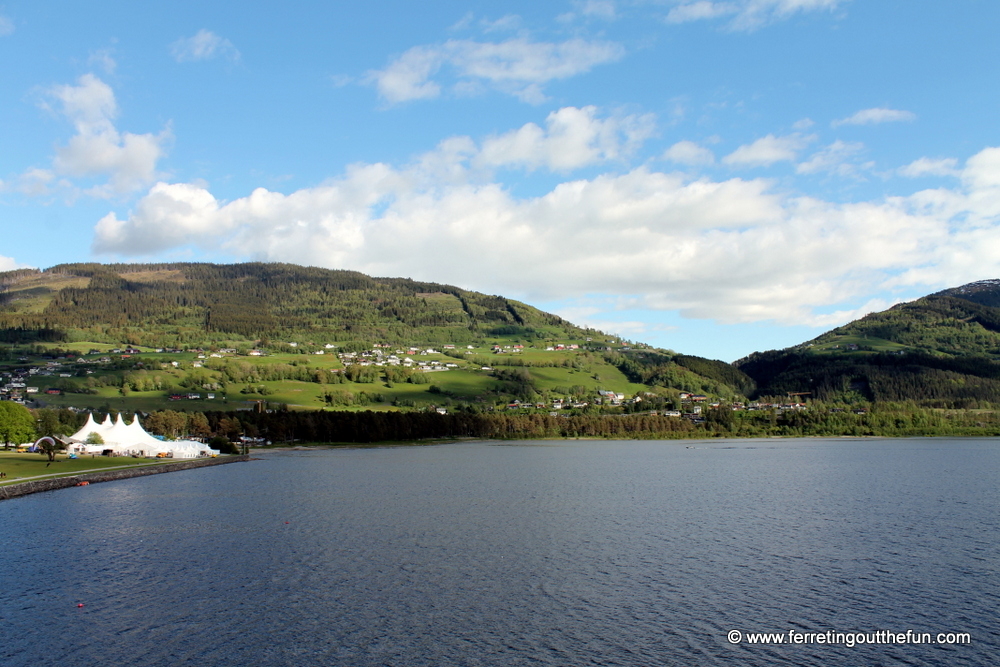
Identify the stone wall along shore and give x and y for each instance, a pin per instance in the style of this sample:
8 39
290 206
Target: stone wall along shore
39 485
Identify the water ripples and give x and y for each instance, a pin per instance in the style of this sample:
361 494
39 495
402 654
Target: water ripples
582 553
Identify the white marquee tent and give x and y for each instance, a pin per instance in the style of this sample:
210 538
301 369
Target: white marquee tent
128 439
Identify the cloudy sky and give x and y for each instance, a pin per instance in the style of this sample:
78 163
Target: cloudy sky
711 176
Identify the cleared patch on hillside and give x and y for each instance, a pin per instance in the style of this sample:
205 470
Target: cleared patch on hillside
842 343
441 301
33 293
158 276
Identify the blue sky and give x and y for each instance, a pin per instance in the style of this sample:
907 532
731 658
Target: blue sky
713 177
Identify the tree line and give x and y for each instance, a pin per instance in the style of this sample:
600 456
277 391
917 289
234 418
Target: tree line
224 430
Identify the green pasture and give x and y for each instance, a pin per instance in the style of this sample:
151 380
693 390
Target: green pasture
611 379
838 345
465 383
145 401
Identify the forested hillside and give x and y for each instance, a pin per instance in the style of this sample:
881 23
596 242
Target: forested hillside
237 333
941 350
176 305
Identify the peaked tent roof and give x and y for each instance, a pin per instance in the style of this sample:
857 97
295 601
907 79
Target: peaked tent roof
134 437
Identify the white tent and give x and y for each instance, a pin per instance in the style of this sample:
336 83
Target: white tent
127 439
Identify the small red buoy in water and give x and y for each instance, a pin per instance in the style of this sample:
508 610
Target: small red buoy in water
286 522
80 605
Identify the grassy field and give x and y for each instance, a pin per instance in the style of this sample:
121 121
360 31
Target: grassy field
866 344
19 467
467 382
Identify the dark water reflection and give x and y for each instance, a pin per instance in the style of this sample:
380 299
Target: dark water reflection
576 553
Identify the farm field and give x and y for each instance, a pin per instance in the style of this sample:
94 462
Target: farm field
89 376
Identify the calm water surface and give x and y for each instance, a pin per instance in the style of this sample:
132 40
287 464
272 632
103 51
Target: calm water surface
536 553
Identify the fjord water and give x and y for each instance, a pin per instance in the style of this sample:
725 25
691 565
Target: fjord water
529 553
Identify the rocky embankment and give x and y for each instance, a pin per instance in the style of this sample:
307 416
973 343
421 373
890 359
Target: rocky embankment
39 485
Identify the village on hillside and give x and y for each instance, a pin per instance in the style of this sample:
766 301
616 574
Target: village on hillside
74 379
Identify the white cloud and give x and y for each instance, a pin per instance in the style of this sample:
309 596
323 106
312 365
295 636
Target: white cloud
572 138
407 77
746 15
876 116
204 45
707 248
926 166
834 158
6 26
700 10
502 24
580 236
627 329
605 10
97 150
36 182
767 150
517 66
689 153
9 264
637 233
103 59
836 318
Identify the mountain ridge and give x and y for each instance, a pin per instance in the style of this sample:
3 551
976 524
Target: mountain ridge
182 303
942 349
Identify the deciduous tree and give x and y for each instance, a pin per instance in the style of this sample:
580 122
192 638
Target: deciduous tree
17 425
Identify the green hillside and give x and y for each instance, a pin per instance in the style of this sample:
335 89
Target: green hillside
940 350
138 336
177 305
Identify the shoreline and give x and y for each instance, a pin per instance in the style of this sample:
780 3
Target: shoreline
39 485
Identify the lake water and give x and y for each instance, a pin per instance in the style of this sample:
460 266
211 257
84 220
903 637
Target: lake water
528 553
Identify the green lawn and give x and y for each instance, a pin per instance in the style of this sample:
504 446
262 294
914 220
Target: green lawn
21 466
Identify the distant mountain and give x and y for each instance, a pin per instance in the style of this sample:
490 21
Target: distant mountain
984 292
942 349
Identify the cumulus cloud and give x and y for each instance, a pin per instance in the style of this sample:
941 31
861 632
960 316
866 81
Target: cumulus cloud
6 26
98 150
641 232
98 160
582 233
876 116
705 247
746 15
767 150
835 159
203 45
516 66
689 153
926 166
9 264
572 138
